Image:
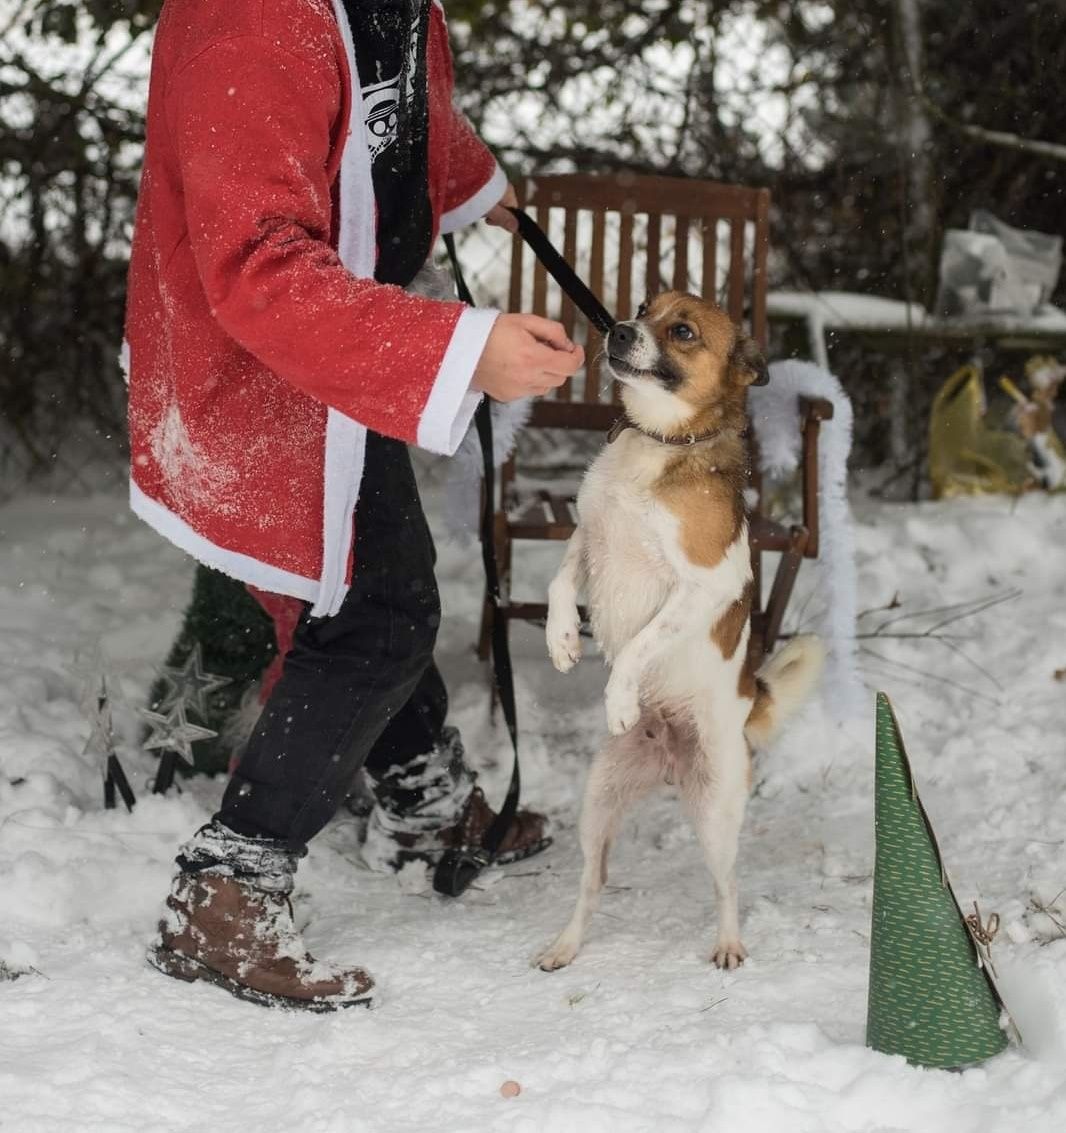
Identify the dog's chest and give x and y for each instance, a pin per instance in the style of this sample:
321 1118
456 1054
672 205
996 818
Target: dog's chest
629 574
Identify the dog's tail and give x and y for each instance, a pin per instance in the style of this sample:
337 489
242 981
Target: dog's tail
783 683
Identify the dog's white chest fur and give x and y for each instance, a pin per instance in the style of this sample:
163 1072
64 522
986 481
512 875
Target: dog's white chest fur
628 574
632 550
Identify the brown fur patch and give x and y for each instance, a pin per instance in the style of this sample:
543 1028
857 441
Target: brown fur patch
703 486
709 507
729 627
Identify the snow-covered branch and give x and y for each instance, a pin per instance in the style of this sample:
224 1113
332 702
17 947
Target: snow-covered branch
1054 151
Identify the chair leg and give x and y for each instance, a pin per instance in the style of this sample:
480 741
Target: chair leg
756 643
784 580
484 637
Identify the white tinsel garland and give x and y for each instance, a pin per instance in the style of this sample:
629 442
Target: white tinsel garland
775 415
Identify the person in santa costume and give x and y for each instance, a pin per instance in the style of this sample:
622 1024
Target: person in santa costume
301 158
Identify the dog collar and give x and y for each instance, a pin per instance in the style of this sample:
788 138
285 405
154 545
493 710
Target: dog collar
623 423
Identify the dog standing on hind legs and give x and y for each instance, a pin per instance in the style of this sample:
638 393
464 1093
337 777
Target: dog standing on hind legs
662 551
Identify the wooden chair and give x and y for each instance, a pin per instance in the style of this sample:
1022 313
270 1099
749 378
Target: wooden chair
632 236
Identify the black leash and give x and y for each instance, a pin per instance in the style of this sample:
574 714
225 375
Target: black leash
459 868
563 274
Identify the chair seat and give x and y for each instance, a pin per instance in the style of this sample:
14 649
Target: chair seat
550 515
542 515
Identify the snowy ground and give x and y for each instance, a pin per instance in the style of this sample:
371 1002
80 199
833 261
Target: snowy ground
640 1033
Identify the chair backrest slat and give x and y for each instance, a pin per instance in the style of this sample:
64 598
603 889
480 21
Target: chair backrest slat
598 253
540 274
568 312
663 232
760 281
624 296
652 278
681 254
518 252
735 305
709 281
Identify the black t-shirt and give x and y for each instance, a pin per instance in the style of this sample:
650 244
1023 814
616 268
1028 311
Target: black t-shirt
389 37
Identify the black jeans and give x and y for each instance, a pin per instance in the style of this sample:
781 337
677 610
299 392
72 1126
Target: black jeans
359 687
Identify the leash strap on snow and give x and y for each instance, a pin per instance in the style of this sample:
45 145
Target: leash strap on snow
563 274
459 868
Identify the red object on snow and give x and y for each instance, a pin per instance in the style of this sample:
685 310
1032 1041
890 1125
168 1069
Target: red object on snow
285 613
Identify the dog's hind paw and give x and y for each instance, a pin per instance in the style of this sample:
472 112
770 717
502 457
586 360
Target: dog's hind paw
557 955
729 954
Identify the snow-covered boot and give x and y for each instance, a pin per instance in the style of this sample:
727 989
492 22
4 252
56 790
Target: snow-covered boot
228 921
432 804
227 932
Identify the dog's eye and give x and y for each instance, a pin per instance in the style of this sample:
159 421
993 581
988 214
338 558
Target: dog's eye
683 332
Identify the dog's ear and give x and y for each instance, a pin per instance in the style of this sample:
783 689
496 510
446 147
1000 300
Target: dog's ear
748 361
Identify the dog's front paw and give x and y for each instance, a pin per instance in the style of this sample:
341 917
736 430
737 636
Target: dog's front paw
729 954
564 642
622 701
557 955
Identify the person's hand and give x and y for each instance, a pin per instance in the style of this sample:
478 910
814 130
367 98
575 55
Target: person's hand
525 356
499 216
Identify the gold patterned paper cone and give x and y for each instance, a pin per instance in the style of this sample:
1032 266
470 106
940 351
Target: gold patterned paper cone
931 996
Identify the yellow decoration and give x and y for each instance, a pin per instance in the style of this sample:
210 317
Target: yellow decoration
966 457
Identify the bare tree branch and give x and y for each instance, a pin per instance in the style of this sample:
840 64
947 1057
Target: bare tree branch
1001 138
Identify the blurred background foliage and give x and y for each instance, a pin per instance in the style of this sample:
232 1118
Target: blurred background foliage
860 115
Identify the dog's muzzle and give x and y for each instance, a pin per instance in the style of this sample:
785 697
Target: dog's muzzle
634 354
620 340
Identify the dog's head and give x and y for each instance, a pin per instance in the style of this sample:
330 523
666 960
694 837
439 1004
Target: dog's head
683 362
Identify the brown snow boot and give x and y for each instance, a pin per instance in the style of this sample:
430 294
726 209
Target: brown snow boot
387 848
243 939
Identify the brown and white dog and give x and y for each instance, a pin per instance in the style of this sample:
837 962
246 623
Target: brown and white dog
662 550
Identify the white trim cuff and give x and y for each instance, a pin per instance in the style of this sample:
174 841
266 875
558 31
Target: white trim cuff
451 403
475 207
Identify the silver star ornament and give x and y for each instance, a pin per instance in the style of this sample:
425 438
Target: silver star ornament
173 732
190 683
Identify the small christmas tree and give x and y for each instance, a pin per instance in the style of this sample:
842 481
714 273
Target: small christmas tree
236 641
932 998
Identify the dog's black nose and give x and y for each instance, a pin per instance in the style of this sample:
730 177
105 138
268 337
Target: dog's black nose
621 338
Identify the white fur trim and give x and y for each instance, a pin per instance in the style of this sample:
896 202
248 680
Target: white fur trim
233 563
346 438
345 455
124 361
774 410
475 207
355 238
451 401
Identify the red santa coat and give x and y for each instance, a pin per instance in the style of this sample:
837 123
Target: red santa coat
260 348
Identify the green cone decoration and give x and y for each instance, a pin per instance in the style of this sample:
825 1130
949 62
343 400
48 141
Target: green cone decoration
932 998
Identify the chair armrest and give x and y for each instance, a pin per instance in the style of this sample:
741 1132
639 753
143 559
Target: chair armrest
816 407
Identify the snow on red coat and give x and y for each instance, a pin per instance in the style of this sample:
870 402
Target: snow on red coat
260 348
